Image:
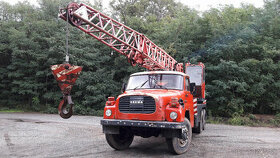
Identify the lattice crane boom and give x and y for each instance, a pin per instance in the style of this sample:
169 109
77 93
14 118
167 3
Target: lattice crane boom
135 46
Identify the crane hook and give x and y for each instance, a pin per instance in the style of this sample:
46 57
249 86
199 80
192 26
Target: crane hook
64 111
66 76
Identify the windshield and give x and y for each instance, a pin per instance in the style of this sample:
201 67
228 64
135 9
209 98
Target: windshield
155 81
195 74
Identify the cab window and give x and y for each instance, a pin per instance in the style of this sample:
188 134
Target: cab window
187 86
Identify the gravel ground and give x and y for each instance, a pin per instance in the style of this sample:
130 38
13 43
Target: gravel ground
43 135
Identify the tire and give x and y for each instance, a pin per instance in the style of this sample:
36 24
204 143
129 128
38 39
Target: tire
199 129
120 141
204 119
179 146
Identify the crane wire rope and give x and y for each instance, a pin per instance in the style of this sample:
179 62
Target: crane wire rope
67 37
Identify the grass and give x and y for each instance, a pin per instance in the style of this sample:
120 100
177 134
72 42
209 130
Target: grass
11 110
248 120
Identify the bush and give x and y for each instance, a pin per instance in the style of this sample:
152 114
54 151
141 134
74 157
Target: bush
50 110
239 120
252 117
99 113
236 120
81 110
216 120
4 109
275 122
35 104
277 116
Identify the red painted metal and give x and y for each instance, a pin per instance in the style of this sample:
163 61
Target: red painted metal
202 86
66 76
163 106
135 46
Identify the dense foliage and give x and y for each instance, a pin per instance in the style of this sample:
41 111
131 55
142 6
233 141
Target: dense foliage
239 46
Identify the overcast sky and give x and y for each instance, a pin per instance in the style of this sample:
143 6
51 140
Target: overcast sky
200 5
203 5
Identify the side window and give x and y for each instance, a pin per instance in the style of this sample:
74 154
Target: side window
204 74
187 86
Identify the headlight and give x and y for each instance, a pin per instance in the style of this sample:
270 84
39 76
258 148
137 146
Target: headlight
108 112
173 115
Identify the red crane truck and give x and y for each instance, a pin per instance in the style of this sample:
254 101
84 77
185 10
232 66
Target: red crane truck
166 100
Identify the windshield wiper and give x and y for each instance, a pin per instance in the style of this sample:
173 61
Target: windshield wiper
141 85
161 86
155 81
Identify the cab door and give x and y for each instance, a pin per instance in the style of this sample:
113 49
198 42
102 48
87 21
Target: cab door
188 101
196 75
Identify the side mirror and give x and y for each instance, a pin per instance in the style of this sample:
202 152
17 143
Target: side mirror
123 87
192 88
181 102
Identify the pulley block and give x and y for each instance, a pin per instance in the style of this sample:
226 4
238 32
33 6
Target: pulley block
66 76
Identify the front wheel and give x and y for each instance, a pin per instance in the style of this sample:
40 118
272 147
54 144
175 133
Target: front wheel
120 141
180 146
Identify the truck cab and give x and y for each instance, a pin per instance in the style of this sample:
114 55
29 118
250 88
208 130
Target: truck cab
154 103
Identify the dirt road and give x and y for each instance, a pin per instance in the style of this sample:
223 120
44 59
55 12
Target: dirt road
42 135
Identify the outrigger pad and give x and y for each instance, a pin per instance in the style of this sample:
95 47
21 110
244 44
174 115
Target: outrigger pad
66 76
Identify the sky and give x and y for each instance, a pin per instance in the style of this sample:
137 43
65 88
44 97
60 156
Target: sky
200 5
203 5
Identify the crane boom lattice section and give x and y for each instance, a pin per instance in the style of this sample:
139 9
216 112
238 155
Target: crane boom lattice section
135 46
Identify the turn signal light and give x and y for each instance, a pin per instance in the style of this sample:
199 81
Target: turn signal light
174 102
111 101
111 98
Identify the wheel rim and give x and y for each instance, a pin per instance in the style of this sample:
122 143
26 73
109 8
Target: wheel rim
182 142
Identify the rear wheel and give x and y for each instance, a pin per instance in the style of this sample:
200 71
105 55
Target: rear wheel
120 141
180 146
203 119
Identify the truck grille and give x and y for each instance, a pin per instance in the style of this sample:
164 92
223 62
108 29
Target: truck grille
137 104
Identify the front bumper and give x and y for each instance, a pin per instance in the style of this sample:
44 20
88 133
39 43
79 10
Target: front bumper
136 123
